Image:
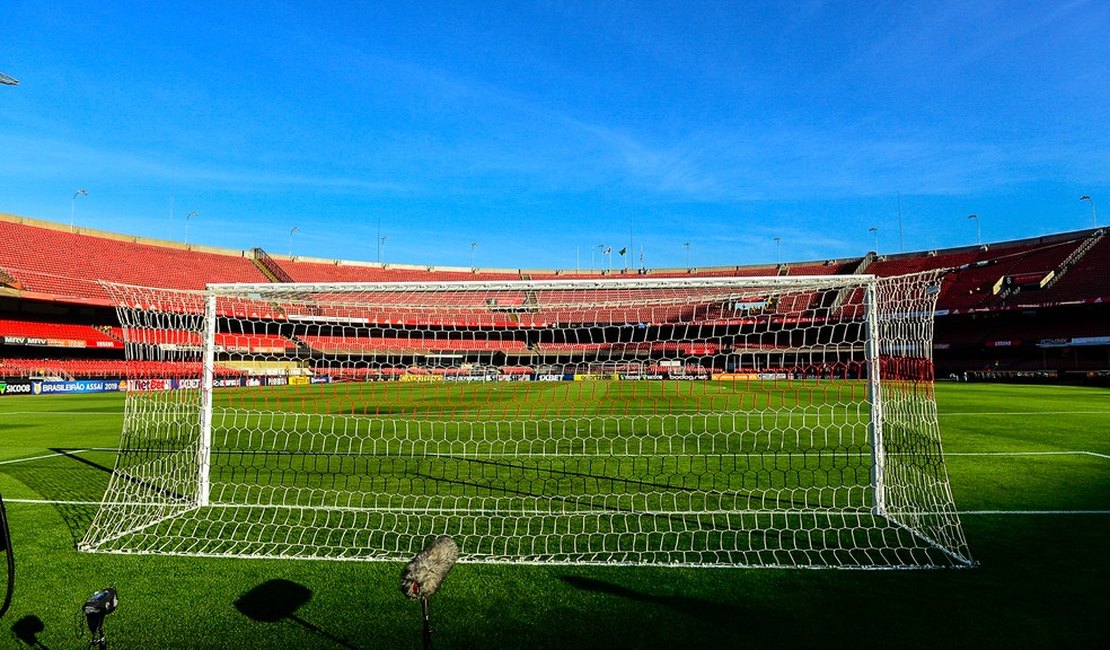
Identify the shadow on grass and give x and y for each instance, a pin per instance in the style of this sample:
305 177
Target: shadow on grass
27 630
73 488
279 599
703 610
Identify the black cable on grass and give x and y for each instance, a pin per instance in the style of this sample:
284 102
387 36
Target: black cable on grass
6 547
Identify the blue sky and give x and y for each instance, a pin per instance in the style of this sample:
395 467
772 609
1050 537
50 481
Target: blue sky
540 130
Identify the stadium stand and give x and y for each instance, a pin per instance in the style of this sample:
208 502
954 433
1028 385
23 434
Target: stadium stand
301 270
1031 303
52 262
15 332
355 345
1088 277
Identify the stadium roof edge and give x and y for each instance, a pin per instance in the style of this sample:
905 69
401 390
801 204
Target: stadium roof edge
1054 238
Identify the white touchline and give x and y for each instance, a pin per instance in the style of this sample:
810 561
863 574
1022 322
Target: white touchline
49 502
114 413
1027 453
67 452
967 413
1033 512
46 502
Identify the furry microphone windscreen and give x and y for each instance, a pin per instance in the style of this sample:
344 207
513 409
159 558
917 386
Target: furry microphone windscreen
425 573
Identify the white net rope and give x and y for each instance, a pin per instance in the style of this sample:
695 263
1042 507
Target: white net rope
722 422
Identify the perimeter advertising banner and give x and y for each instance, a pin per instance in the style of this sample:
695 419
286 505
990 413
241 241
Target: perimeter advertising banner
78 386
15 387
750 376
590 376
421 378
38 341
85 386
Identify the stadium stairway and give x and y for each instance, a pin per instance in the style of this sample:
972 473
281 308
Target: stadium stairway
8 280
1076 256
268 266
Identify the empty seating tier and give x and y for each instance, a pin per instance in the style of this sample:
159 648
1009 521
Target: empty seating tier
14 332
56 262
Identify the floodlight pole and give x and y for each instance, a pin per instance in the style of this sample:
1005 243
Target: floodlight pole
192 213
778 244
687 245
473 245
631 248
1094 218
381 247
978 232
901 241
875 231
291 231
73 203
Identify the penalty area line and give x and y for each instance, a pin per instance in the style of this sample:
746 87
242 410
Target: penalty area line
113 413
964 414
1031 512
1027 453
53 502
68 452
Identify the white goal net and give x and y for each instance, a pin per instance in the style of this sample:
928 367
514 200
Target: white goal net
784 422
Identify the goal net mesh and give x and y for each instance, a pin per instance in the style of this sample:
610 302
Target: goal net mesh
781 422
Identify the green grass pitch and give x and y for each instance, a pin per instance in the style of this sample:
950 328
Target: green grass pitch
1030 470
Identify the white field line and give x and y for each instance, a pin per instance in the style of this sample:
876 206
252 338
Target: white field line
61 413
1026 453
1022 413
632 412
1032 512
48 502
13 461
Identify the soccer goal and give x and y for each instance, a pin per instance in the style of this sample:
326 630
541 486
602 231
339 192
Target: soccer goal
732 421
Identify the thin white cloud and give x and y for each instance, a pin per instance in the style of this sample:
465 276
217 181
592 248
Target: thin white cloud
535 145
44 157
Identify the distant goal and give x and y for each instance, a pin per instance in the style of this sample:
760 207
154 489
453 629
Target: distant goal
755 422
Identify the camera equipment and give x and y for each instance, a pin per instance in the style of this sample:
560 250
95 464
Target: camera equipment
95 609
424 574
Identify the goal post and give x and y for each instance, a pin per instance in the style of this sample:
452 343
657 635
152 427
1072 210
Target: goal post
698 421
208 376
874 398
